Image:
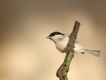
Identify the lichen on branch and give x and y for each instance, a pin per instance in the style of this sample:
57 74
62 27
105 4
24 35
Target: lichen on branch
64 68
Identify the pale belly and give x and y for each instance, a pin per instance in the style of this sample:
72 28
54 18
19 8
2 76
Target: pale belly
62 45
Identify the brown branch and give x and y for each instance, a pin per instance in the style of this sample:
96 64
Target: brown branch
64 68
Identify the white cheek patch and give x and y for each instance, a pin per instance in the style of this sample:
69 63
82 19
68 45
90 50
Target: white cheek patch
56 37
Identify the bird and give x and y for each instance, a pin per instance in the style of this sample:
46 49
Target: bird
61 40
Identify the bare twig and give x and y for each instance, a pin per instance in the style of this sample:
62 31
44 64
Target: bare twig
64 68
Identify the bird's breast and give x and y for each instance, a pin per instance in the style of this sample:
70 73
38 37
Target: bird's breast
61 45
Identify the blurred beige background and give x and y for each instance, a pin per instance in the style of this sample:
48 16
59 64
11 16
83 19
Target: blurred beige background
26 54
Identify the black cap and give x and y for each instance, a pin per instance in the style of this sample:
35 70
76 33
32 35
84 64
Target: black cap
55 33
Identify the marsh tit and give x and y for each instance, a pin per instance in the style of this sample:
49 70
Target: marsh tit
61 40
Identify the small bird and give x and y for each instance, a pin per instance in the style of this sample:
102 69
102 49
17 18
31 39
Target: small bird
61 40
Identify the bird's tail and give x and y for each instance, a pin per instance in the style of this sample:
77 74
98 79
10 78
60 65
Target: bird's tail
93 52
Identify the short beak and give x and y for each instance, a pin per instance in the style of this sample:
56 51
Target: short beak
48 37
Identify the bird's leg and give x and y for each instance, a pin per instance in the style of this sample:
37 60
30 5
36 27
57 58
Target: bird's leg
82 52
